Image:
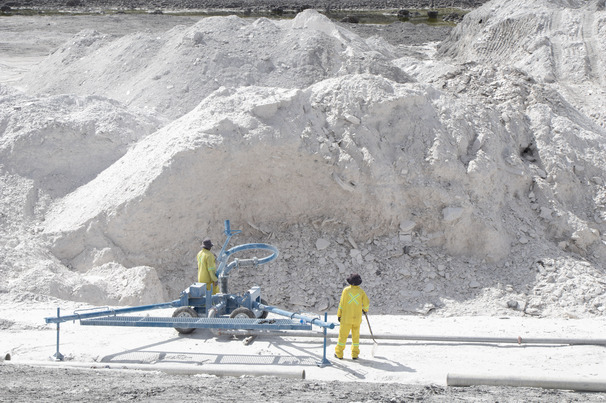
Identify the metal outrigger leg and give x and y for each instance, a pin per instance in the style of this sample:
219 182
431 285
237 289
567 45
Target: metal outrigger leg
324 361
58 356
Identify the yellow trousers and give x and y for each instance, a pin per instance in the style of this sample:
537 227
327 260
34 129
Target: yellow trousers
214 287
344 330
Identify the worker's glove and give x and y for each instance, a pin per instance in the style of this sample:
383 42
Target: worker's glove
339 318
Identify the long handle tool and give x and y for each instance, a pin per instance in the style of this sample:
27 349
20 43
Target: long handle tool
375 344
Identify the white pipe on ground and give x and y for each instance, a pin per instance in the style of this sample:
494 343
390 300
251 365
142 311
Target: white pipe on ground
460 339
578 384
175 369
498 340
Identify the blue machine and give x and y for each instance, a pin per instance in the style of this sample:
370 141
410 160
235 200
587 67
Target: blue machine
198 308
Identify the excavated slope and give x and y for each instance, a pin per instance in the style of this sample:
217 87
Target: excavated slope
462 181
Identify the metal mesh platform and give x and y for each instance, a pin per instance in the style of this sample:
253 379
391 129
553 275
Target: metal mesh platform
207 323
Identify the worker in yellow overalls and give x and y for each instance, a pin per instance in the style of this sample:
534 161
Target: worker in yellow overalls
206 267
353 301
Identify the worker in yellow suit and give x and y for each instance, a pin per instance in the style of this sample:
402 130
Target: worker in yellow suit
206 267
353 302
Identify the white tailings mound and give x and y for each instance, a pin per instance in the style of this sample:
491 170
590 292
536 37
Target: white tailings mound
471 187
170 74
556 42
64 141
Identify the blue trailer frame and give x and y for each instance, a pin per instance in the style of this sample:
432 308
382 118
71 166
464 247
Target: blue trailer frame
197 307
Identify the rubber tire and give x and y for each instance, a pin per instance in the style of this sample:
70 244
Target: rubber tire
242 313
185 311
265 313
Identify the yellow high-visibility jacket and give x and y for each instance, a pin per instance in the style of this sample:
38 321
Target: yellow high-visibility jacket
353 301
206 267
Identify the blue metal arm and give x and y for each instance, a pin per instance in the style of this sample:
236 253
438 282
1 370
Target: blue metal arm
306 319
109 312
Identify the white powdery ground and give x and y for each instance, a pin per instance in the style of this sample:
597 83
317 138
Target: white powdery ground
470 179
